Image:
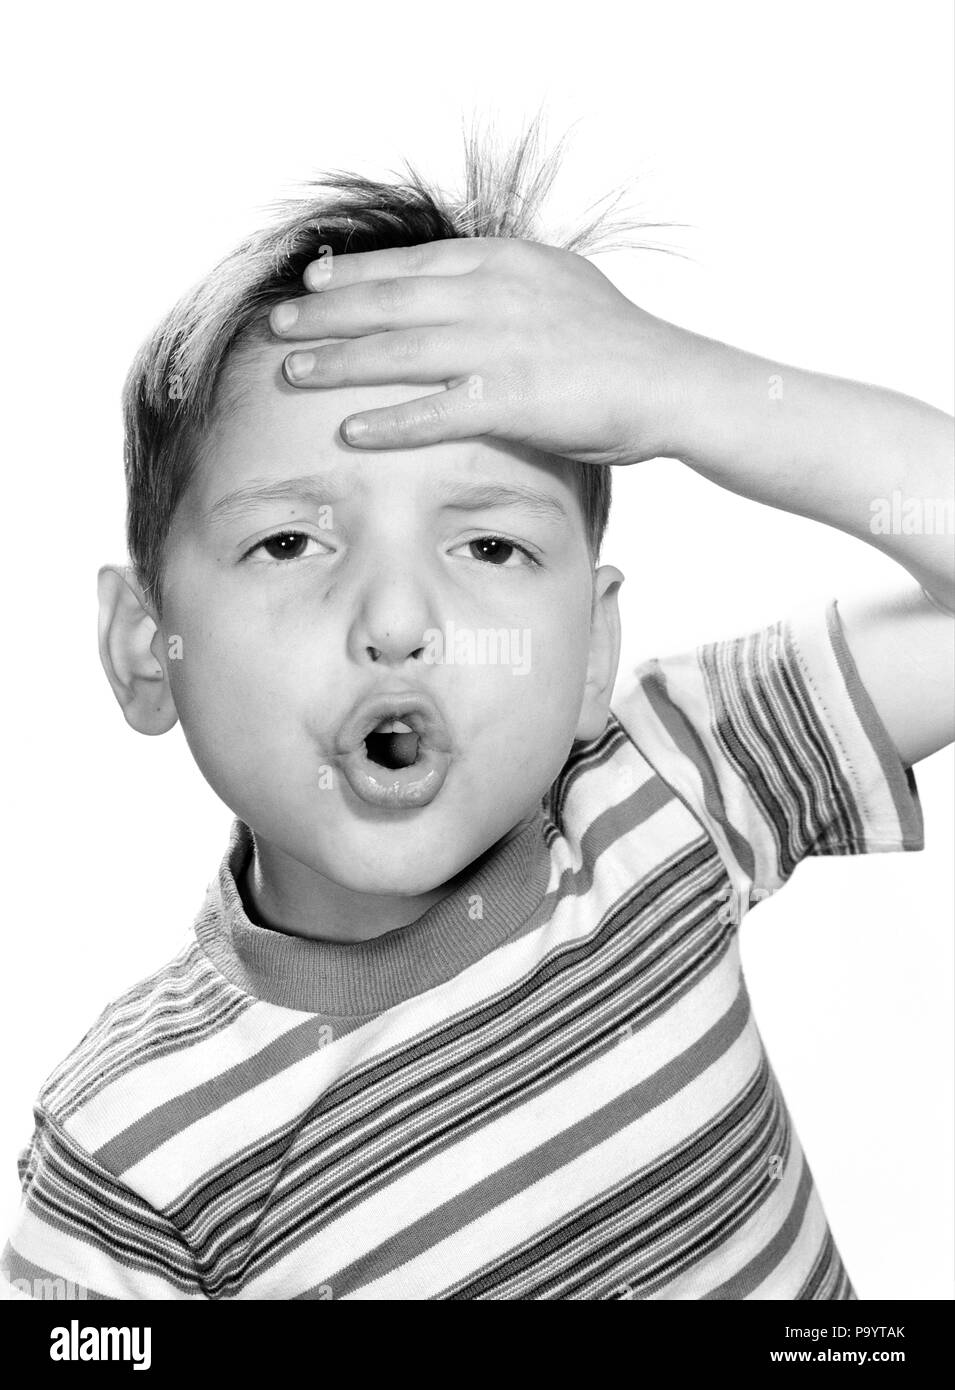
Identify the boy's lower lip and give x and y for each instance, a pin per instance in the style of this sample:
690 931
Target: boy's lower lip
403 788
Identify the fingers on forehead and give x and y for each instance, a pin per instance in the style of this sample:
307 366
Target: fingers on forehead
454 256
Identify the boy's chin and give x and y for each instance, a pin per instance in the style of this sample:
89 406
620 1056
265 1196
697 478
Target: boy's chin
403 879
413 867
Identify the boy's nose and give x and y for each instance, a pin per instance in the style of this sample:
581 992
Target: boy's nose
392 623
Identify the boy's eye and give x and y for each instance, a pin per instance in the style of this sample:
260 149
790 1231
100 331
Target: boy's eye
285 545
495 550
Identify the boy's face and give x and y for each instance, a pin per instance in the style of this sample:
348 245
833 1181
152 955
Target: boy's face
387 598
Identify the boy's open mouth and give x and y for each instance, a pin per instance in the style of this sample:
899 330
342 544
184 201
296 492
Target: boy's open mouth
394 749
392 744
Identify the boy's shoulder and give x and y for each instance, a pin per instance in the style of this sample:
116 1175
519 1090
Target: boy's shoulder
169 1011
771 741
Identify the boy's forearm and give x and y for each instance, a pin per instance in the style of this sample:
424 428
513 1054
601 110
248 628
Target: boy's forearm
867 460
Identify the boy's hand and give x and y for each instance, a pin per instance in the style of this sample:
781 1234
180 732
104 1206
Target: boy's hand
535 345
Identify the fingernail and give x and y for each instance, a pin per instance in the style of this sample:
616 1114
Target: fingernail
317 275
284 317
299 365
354 428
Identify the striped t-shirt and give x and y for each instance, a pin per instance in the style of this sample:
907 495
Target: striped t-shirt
549 1086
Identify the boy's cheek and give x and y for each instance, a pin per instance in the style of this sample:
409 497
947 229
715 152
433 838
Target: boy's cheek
226 706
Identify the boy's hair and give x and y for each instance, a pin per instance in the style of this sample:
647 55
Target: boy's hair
171 392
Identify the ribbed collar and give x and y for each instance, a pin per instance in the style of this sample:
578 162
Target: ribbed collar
360 978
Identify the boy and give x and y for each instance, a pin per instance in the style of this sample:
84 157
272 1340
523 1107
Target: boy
462 1015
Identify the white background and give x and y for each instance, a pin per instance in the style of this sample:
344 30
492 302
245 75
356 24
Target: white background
809 147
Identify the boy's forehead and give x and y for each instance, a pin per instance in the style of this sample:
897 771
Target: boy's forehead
266 429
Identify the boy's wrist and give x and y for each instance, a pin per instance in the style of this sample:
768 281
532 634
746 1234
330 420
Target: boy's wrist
708 399
663 387
721 403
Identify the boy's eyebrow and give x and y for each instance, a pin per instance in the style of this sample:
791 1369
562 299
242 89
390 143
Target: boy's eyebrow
312 487
332 487
473 497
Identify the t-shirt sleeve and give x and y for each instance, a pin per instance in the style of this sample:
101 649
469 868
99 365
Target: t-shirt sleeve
773 742
81 1233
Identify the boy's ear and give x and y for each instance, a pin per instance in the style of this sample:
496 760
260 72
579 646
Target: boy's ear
130 648
604 654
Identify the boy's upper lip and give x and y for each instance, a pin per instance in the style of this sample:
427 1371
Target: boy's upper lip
414 707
